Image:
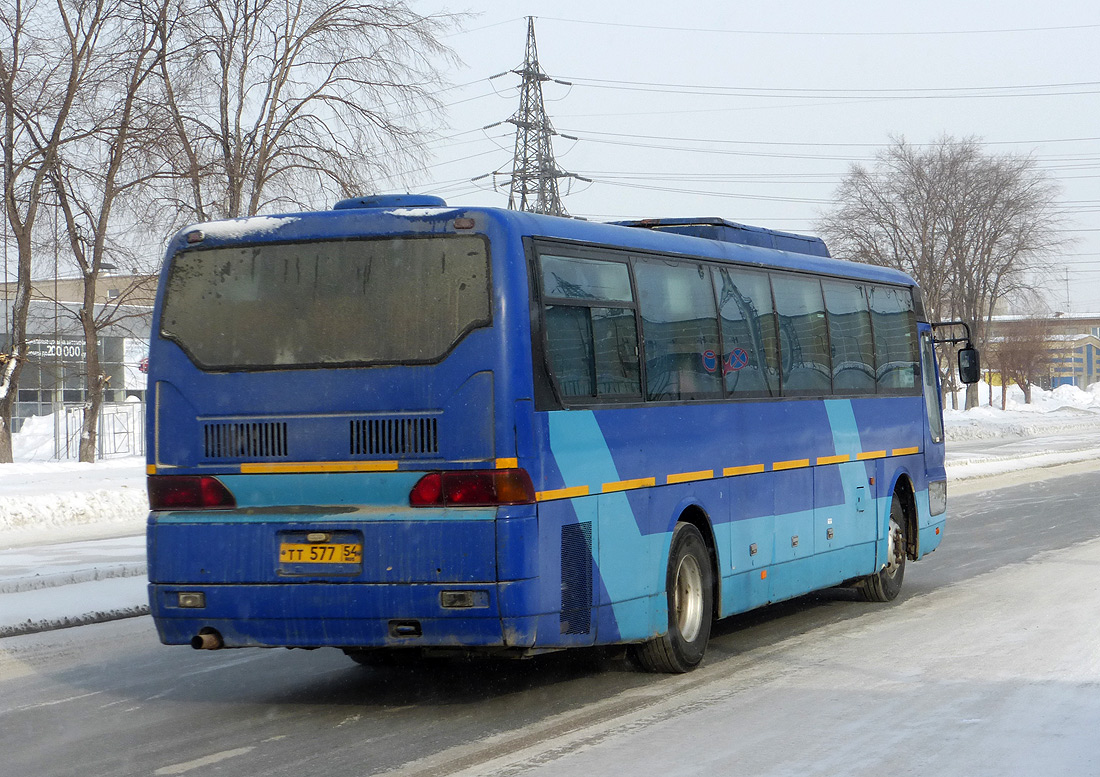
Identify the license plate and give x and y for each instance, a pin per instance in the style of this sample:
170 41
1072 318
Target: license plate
320 553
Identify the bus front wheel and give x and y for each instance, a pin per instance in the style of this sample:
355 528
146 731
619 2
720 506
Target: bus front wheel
885 585
689 586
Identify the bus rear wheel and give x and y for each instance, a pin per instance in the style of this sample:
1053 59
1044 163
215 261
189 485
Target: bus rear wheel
689 586
885 585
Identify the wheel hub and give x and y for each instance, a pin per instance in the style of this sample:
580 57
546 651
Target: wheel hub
689 598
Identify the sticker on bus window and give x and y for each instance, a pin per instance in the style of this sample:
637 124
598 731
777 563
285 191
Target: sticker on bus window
735 360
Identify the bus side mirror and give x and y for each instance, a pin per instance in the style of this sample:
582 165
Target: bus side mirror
969 365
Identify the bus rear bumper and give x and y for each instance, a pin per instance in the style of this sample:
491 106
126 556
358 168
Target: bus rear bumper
340 615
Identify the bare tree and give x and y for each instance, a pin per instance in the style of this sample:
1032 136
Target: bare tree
108 160
965 224
45 55
1002 221
891 215
1021 354
280 104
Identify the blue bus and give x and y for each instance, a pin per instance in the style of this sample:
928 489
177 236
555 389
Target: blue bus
400 428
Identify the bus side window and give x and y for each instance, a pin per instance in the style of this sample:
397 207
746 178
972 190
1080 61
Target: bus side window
615 338
803 337
749 364
680 327
592 347
569 346
894 323
850 338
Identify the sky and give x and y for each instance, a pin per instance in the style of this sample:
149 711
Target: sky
755 111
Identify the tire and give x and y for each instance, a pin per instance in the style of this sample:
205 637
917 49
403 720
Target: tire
885 585
689 586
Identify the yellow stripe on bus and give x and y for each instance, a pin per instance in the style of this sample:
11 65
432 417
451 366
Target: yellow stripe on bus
561 493
792 464
687 477
750 469
265 468
627 485
256 468
150 469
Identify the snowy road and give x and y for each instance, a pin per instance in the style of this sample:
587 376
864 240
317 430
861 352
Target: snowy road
988 664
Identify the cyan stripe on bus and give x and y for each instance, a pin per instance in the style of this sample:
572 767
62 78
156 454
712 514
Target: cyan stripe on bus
581 454
862 517
844 497
380 495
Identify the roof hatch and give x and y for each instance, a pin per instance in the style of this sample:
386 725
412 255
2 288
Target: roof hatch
732 232
391 201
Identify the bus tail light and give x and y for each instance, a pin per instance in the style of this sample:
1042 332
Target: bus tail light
473 488
188 492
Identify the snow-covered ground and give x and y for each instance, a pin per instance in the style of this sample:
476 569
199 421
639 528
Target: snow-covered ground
71 535
1050 412
1058 427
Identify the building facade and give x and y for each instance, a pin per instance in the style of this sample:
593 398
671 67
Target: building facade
54 374
1072 341
1073 362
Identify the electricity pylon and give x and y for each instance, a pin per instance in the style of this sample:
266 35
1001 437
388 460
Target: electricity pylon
535 174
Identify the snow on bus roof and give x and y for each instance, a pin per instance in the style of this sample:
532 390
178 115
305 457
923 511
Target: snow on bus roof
422 212
252 225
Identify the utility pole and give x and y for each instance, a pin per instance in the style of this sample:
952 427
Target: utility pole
535 174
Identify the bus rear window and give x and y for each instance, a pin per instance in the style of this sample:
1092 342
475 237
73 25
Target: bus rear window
354 302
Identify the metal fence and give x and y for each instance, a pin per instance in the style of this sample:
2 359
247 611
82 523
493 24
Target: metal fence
121 431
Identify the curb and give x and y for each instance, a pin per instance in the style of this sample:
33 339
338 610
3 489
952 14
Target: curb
30 627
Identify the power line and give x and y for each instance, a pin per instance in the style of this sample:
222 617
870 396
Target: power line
819 144
819 34
957 92
725 195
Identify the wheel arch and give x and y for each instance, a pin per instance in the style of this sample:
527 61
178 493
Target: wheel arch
904 490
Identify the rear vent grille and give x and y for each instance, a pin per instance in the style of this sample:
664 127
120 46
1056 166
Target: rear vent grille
408 436
244 440
576 578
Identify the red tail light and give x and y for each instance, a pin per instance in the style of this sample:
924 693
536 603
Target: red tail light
188 492
473 488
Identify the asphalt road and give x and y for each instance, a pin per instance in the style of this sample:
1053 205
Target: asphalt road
109 699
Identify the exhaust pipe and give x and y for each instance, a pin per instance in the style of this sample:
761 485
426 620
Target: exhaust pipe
207 639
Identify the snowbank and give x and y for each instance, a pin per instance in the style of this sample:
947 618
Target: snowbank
78 604
74 515
1064 410
35 440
